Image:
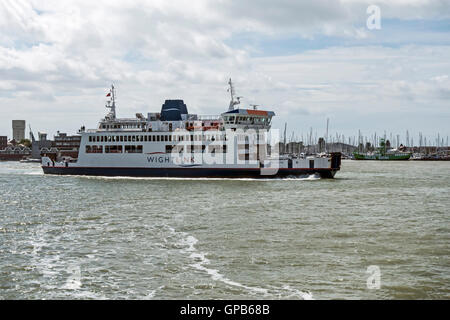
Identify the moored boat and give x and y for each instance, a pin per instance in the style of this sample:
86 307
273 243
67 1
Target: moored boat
382 153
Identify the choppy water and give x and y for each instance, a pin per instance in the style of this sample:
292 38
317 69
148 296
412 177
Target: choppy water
124 238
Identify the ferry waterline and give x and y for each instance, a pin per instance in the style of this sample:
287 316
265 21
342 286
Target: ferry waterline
238 143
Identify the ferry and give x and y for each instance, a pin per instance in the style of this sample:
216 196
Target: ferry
238 143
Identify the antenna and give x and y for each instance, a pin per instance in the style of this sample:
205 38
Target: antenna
254 106
232 94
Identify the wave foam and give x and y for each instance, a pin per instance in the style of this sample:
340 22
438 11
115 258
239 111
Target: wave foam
201 263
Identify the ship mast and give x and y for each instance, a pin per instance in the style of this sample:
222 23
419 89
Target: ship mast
233 102
111 104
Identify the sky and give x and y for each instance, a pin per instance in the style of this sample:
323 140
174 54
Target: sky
308 61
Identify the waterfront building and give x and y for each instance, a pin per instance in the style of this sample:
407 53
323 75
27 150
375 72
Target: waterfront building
18 129
3 142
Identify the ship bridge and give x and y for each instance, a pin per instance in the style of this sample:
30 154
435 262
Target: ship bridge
247 119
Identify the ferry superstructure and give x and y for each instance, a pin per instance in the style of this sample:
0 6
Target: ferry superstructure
238 143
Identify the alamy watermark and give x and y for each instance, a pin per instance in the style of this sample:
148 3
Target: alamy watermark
73 282
374 20
374 279
232 147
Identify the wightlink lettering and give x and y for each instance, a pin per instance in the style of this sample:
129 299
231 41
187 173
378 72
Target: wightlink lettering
159 159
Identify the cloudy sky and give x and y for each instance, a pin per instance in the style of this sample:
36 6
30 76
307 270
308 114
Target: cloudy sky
305 60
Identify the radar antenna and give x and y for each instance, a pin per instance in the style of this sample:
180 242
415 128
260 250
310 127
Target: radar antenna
254 106
233 102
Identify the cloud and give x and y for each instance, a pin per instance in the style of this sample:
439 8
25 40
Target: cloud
58 57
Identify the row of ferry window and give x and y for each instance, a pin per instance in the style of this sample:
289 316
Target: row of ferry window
196 148
159 138
169 149
153 138
123 126
114 149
